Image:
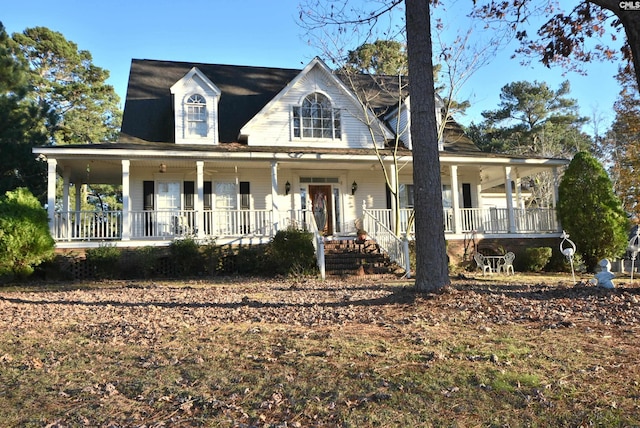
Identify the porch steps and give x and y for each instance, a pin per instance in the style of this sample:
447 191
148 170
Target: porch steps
347 257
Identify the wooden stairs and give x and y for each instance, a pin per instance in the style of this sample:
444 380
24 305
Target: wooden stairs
350 257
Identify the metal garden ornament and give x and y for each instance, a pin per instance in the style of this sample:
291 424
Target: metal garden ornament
634 247
568 251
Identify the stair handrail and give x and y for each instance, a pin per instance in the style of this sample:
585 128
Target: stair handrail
396 248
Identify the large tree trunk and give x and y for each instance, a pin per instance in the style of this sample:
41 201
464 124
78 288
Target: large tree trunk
630 20
432 271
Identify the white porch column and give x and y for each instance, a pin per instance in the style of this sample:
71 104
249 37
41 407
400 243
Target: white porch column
199 202
274 194
76 230
126 201
66 219
556 196
65 189
51 195
519 198
394 208
455 199
509 192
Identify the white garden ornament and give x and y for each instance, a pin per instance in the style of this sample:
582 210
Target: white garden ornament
568 251
634 247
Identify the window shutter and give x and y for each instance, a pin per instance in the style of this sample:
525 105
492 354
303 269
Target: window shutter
388 195
207 195
245 202
148 190
189 190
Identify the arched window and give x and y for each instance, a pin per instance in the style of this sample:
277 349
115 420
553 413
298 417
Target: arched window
315 118
196 107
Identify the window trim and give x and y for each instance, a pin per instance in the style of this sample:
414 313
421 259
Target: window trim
329 118
199 118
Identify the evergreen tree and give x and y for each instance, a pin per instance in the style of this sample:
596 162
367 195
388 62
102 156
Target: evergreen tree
82 107
533 120
22 125
590 211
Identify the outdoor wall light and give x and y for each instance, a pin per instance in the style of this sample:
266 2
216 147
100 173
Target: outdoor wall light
287 188
163 167
354 188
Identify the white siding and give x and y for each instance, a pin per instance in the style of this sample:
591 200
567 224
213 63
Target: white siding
274 127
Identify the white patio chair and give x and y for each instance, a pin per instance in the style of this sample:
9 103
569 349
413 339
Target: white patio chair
507 264
483 263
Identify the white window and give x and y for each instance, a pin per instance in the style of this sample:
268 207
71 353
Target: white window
316 118
406 195
168 196
196 108
226 195
447 196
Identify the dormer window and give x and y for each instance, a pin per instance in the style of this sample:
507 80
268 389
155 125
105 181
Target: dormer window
196 109
316 118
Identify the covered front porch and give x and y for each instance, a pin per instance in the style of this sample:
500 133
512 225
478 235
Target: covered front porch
248 195
90 228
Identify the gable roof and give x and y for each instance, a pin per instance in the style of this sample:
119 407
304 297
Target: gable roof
148 110
245 91
337 79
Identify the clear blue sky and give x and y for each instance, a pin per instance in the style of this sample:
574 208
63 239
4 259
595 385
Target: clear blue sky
254 32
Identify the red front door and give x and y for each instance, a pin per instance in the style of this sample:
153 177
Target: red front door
322 206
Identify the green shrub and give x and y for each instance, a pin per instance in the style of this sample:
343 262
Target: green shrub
291 252
103 261
591 212
252 260
139 263
213 257
536 258
25 240
186 257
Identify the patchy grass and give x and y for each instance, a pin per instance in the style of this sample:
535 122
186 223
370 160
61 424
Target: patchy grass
524 351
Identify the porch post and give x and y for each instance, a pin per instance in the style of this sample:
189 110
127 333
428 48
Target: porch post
274 194
126 201
394 208
519 199
510 213
199 202
66 220
556 196
455 199
65 189
76 229
51 195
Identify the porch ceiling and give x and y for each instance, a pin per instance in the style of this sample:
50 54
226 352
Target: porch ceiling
492 176
109 171
92 166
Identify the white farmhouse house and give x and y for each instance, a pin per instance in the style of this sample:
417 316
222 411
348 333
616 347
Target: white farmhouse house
237 152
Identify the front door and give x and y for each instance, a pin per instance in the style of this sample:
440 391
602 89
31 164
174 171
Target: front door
322 205
168 207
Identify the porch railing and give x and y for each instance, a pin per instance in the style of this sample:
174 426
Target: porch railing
87 225
108 225
482 220
171 224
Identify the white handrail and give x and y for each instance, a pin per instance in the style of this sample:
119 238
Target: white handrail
397 249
